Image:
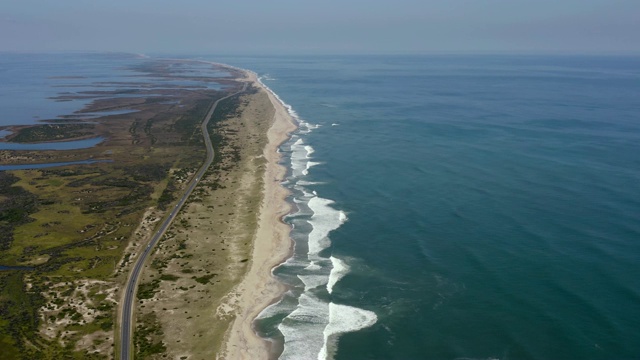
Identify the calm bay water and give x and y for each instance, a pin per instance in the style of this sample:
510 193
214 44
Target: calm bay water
454 207
60 145
41 87
30 81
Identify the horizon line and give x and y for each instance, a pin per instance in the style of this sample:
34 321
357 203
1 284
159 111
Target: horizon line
323 54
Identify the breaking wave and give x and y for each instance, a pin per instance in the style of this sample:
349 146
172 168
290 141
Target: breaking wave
313 323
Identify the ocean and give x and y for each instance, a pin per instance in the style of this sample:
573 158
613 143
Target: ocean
444 207
459 207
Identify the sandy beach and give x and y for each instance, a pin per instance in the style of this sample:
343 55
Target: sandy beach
272 245
211 275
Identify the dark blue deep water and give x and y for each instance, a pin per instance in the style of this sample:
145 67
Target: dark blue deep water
478 207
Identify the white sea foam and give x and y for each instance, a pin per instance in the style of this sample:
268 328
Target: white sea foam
309 165
295 262
302 329
311 329
339 270
307 194
293 215
313 266
299 161
309 150
343 319
324 220
305 127
276 308
308 183
300 154
290 110
335 124
313 281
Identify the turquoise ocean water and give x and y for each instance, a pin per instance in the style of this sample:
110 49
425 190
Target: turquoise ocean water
459 207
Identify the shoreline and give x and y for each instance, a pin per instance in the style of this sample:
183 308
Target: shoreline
272 243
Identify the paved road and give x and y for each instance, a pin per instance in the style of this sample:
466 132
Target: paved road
127 307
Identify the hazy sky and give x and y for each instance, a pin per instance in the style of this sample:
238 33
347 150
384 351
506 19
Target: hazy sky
327 26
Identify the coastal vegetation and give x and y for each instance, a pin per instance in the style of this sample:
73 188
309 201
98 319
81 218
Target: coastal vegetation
71 232
53 132
189 282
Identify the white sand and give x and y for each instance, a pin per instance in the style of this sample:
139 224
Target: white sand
272 245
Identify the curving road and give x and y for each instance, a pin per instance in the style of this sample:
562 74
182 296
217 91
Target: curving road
126 322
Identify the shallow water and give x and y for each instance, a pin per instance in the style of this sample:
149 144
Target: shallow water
32 85
60 145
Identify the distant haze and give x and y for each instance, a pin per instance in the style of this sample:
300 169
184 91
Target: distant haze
322 27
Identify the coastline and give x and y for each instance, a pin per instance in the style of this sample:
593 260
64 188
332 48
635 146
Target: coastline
228 230
84 223
272 244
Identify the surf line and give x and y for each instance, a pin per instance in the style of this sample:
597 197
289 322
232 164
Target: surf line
312 327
